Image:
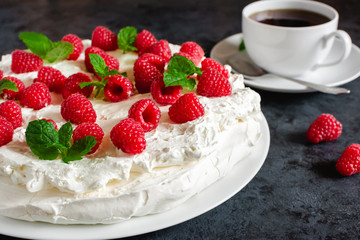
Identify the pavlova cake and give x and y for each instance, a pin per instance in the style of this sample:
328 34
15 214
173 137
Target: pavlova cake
102 130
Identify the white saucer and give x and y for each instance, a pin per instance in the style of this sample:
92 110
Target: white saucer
337 75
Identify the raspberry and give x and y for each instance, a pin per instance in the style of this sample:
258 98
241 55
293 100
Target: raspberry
144 40
186 108
6 131
211 63
23 62
89 129
52 77
160 48
194 50
110 61
51 121
12 112
146 113
77 43
117 88
129 136
77 109
164 95
72 85
148 68
12 95
104 38
1 74
349 162
324 128
213 84
36 96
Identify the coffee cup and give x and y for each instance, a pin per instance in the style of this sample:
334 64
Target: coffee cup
292 37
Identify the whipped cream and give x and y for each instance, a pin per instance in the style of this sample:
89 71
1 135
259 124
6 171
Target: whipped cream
179 160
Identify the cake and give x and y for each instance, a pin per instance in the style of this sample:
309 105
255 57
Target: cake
110 185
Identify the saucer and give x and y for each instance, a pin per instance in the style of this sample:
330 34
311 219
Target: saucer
336 75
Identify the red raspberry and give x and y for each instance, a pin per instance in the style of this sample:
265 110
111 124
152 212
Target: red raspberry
78 109
118 88
12 112
1 74
144 40
72 85
349 162
186 108
324 128
12 95
194 50
36 96
211 63
6 131
160 48
146 113
89 129
148 68
104 38
188 56
129 136
51 121
23 62
77 43
52 77
213 84
164 95
110 61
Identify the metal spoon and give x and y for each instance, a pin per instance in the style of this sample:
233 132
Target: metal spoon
241 65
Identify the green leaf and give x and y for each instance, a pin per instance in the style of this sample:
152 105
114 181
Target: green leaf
99 64
92 84
79 149
178 78
127 38
8 84
38 43
65 133
60 51
242 46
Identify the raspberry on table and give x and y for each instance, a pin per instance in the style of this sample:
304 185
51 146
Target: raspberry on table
10 94
160 48
349 162
186 108
71 85
194 50
117 88
52 77
110 61
36 96
164 95
6 131
77 109
11 111
89 129
144 39
77 43
23 62
211 63
129 136
212 83
147 113
325 128
104 38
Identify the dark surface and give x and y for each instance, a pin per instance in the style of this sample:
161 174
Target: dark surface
297 194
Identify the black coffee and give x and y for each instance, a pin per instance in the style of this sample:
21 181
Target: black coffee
290 18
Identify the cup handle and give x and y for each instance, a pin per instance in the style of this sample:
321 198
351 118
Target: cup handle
346 43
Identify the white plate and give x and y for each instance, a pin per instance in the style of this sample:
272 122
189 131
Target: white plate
211 197
337 75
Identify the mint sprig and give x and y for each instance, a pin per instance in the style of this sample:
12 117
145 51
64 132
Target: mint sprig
242 46
178 72
102 71
7 84
42 46
47 143
127 38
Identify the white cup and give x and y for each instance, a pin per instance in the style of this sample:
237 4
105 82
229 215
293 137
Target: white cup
292 51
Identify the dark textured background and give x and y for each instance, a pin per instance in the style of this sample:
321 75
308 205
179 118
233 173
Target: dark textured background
297 194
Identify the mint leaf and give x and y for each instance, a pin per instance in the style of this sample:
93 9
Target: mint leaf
242 46
99 64
65 133
8 84
79 149
178 78
127 38
92 84
37 43
60 51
